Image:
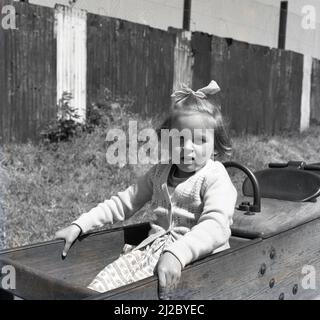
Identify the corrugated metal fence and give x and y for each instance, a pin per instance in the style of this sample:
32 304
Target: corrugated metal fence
261 87
27 73
130 59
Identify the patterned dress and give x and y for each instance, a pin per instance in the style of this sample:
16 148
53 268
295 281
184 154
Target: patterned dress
131 266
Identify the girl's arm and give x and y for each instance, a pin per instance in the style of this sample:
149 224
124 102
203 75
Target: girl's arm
213 227
119 207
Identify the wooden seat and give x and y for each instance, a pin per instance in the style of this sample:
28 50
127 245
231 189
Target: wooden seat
286 184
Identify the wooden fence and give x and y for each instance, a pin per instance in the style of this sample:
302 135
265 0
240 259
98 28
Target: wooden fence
262 88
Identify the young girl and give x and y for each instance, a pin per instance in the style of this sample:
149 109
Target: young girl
193 200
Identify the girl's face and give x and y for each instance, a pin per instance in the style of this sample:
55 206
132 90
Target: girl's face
195 144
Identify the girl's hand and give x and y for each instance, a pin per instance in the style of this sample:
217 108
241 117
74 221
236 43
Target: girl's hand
169 273
69 235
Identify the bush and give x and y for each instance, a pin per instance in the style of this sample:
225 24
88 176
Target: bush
65 125
110 110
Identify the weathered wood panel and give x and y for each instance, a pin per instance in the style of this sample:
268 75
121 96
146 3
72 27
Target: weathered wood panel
201 48
268 269
183 59
43 274
258 269
315 92
34 284
261 87
28 73
130 59
306 93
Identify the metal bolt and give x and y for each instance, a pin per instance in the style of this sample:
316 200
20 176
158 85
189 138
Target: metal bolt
271 283
272 253
295 289
281 297
263 269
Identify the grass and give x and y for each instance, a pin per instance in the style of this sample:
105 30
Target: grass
45 187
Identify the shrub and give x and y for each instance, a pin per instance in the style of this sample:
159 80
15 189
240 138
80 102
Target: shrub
110 109
65 125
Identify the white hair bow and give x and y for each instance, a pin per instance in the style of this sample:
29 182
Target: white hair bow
211 89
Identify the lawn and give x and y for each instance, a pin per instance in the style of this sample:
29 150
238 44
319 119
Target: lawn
45 187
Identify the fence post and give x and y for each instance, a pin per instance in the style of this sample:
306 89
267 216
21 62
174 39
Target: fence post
315 92
186 14
183 59
71 33
283 25
306 93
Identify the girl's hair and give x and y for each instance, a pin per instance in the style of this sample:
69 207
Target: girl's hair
186 101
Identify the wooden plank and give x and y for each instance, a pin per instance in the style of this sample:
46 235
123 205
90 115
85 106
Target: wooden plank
239 274
276 216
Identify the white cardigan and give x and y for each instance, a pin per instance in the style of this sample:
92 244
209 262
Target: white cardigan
198 214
